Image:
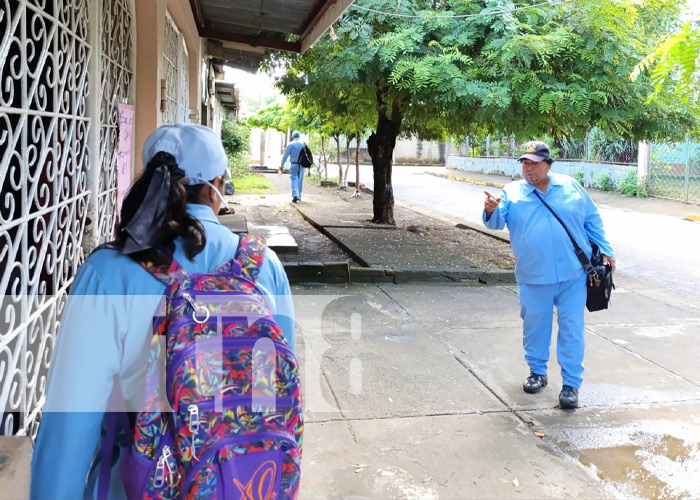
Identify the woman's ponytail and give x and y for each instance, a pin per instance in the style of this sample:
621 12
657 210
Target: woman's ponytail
159 221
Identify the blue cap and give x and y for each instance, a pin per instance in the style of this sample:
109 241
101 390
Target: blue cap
197 149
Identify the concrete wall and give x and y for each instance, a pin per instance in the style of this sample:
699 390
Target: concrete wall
407 151
150 33
416 151
266 147
511 167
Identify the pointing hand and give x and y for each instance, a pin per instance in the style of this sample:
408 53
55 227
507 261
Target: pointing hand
491 203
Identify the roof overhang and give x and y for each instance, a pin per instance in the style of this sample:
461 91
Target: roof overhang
229 95
244 29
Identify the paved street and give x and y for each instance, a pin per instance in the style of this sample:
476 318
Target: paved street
660 249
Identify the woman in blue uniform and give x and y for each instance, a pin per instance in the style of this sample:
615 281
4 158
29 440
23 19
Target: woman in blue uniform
547 271
170 212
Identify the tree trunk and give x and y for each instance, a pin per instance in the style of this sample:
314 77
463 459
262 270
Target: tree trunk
347 162
325 159
357 164
340 165
381 146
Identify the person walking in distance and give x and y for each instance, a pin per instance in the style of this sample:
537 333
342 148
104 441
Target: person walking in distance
296 171
547 271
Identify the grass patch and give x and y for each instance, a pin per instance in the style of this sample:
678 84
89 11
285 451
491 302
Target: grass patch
316 179
252 184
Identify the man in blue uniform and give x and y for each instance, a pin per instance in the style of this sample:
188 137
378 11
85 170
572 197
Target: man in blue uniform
296 171
547 270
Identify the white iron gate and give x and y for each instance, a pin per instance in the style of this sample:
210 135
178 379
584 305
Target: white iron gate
45 175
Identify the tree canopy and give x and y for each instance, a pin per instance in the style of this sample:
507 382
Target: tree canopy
449 67
675 65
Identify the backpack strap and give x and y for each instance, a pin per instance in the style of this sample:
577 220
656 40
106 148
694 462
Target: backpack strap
251 255
167 274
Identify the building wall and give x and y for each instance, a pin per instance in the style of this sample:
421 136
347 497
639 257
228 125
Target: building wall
266 147
150 27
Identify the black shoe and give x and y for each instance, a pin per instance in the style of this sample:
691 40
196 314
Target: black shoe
568 397
534 383
295 200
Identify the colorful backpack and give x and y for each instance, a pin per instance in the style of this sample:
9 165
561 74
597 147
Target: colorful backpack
236 424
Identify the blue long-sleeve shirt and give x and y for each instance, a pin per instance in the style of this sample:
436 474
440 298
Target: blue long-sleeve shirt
292 151
106 332
544 252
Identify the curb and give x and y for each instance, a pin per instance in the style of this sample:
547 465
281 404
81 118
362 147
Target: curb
339 273
467 179
317 272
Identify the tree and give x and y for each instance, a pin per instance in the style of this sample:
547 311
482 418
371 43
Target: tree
556 69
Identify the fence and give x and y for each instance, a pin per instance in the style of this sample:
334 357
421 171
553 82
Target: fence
674 171
594 147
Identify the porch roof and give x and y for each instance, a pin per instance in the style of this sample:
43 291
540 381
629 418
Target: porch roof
241 30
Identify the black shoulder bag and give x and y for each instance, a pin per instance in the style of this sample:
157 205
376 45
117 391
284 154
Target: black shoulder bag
306 159
599 285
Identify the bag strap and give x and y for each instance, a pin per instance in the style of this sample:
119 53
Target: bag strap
580 254
167 274
251 255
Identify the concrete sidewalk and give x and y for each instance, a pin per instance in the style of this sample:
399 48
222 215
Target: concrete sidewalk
413 391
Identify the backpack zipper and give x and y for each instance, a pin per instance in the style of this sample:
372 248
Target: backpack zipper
253 438
210 404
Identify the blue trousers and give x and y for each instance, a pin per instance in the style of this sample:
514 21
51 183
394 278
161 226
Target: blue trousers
296 174
536 310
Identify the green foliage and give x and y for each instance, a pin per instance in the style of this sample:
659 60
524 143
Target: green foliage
675 65
239 164
578 175
604 182
554 70
235 136
274 117
629 186
611 147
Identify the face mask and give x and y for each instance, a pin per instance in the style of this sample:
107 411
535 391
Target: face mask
192 181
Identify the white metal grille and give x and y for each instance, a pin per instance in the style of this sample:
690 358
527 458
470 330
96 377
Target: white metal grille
175 74
116 88
44 124
45 170
184 106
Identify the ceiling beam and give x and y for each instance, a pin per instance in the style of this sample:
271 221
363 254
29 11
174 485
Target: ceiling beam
252 41
244 47
321 21
198 13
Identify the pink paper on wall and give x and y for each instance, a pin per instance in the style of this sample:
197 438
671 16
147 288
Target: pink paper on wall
124 152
